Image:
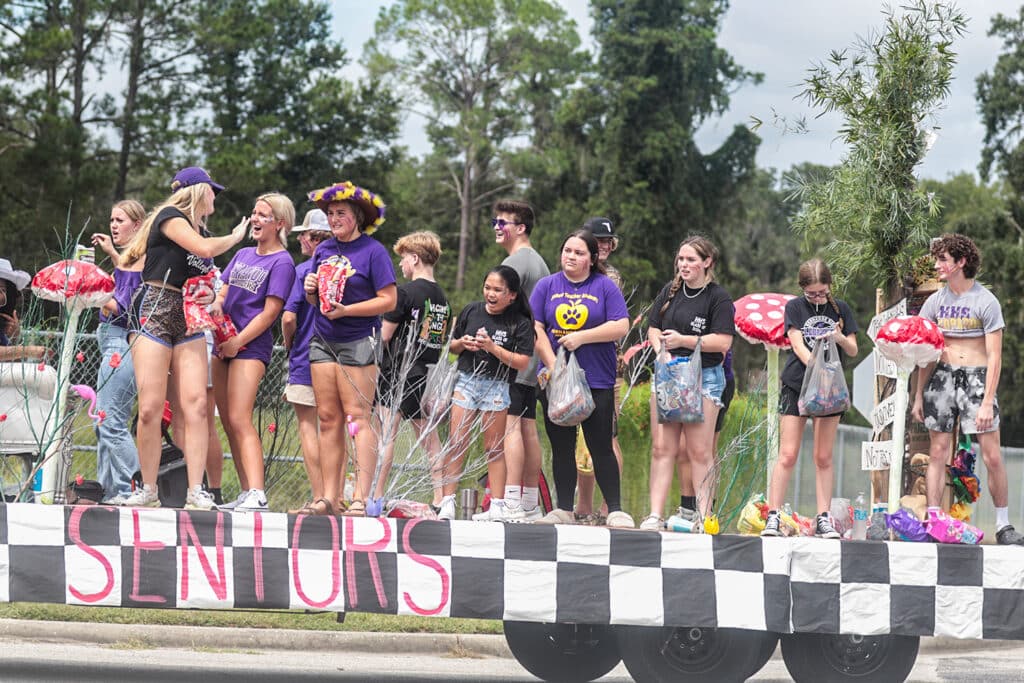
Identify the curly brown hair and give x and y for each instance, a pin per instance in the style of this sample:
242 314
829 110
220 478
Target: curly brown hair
958 247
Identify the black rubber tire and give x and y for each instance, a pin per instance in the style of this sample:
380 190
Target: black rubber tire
573 653
769 642
680 654
822 658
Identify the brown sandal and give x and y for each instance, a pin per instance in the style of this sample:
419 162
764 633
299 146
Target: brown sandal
314 508
356 508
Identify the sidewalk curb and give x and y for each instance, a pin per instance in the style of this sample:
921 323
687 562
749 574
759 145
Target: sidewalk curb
339 641
255 638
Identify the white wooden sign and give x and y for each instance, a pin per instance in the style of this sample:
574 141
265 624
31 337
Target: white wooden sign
875 455
883 414
885 316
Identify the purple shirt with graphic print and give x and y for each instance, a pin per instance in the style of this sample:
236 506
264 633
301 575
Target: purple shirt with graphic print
252 278
563 307
372 271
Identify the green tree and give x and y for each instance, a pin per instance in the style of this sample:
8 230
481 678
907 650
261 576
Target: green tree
482 73
887 91
660 74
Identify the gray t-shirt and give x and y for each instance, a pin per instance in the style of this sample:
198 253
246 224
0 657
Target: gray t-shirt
974 313
531 268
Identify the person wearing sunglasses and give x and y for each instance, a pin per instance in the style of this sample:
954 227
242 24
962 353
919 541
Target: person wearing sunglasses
513 222
809 318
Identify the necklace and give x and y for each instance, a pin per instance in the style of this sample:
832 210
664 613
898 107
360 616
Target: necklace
695 294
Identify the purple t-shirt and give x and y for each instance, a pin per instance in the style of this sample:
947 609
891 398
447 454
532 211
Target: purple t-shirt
563 306
298 356
125 284
252 278
370 270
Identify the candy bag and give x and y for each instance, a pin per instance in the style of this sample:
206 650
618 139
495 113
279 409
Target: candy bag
331 276
678 384
824 390
225 329
753 516
197 318
438 386
907 526
842 515
569 399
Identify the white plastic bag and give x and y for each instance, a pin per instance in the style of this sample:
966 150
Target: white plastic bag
824 390
569 399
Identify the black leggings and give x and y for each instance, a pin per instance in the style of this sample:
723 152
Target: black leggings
597 431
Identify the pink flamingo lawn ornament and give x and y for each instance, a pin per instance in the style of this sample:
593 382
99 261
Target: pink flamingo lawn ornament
88 394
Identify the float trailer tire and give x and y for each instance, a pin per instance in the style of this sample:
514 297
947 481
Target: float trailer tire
573 653
681 654
824 658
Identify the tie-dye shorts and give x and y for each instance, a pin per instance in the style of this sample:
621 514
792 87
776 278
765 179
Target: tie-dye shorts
955 392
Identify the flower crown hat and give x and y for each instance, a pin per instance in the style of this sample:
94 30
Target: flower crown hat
372 205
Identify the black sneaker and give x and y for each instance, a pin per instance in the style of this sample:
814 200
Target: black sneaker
823 527
771 525
1009 536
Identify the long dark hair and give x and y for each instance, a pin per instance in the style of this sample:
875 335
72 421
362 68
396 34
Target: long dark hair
591 242
13 297
520 304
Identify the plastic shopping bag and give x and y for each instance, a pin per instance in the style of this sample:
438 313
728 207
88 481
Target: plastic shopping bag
569 399
679 387
438 386
824 390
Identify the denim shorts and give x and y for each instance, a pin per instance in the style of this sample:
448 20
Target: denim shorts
713 383
486 394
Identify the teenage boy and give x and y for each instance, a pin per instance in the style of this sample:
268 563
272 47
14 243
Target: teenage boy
513 222
964 381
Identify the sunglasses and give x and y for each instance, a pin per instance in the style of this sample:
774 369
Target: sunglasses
501 223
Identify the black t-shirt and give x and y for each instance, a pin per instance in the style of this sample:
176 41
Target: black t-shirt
814 320
423 304
164 258
709 312
508 330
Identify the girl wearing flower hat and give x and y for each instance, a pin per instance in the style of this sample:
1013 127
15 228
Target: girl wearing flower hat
160 342
257 282
116 456
11 283
358 286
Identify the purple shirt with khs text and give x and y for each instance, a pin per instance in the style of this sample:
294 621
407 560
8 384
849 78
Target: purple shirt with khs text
370 271
252 278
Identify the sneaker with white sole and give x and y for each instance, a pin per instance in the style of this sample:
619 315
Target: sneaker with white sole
686 513
772 524
534 514
558 516
513 512
620 520
652 522
823 527
446 510
143 497
117 500
233 504
199 498
255 501
494 513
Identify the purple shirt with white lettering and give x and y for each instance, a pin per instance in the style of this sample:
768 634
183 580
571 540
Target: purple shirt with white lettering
251 278
371 271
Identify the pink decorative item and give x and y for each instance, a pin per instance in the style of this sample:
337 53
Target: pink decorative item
353 427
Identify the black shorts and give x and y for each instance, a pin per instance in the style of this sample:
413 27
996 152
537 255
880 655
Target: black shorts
789 403
523 401
408 401
727 394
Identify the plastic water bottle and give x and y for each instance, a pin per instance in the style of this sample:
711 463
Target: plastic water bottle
860 518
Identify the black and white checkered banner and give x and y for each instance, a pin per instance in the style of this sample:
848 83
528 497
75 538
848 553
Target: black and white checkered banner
181 559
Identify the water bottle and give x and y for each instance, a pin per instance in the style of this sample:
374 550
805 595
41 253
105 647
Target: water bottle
860 518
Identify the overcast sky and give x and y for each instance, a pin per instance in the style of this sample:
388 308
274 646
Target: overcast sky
782 39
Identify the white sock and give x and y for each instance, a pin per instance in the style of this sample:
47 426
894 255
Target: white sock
500 502
513 495
1002 517
530 497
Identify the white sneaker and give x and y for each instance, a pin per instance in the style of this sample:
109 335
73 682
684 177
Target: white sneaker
534 514
495 513
558 516
255 501
233 504
513 512
119 499
143 497
651 522
447 507
199 498
620 520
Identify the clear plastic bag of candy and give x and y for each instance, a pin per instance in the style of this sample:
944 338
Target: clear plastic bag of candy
824 391
569 399
678 384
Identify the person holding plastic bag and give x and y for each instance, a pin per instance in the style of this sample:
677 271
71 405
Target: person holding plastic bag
691 329
814 322
579 309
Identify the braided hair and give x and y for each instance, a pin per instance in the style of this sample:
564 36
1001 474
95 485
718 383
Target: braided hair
706 250
816 272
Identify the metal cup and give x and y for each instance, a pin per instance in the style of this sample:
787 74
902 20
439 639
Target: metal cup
468 500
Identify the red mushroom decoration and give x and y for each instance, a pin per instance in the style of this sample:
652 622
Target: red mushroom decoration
907 341
761 319
910 340
77 285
